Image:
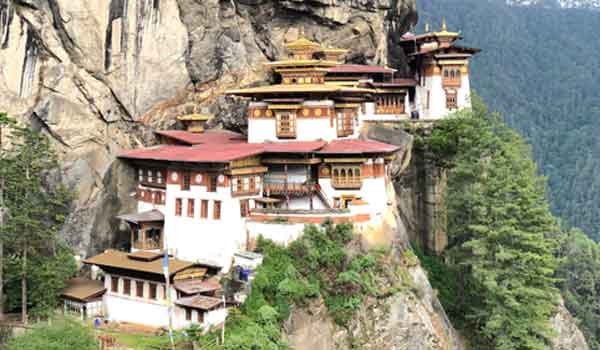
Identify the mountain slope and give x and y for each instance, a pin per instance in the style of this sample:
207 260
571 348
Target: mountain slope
539 68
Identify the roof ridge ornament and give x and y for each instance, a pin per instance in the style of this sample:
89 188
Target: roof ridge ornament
427 28
444 25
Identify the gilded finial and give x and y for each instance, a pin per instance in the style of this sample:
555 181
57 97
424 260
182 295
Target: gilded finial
444 25
301 32
427 27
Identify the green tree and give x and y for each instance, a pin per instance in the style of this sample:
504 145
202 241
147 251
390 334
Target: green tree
61 334
35 210
501 230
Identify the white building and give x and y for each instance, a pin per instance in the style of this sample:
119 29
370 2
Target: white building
136 290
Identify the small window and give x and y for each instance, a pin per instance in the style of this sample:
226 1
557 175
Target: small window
240 185
150 177
114 284
190 208
160 177
126 286
164 292
212 183
141 175
139 289
152 289
188 314
252 184
178 205
244 208
204 209
187 181
217 210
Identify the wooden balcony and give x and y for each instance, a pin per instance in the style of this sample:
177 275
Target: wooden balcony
396 110
347 185
292 188
148 244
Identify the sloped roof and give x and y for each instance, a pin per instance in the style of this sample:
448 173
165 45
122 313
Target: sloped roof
209 136
209 153
360 68
357 147
198 286
297 88
83 289
147 216
200 302
122 260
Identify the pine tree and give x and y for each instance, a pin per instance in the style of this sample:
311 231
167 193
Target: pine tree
35 210
501 229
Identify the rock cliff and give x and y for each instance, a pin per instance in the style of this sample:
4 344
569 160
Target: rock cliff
97 76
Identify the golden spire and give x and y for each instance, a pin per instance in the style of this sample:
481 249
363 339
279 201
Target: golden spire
301 32
427 27
444 25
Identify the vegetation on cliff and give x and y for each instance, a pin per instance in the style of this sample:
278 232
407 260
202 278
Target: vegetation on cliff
503 239
539 68
59 334
323 263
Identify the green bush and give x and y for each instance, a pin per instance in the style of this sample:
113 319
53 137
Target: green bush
59 334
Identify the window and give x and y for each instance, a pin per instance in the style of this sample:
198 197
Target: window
389 104
140 175
204 209
286 125
190 208
239 185
217 210
160 177
178 205
114 284
212 183
187 180
244 208
164 292
347 176
152 289
188 314
252 184
139 289
150 178
451 101
126 286
451 76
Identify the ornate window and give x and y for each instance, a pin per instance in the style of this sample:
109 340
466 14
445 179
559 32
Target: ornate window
451 100
139 289
212 183
217 210
286 125
126 286
345 123
114 284
389 104
204 209
244 208
187 181
451 76
346 176
152 289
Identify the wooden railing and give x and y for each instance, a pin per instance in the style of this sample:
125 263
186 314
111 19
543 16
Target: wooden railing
147 244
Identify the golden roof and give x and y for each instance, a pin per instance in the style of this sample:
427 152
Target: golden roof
194 117
301 44
307 63
444 32
300 88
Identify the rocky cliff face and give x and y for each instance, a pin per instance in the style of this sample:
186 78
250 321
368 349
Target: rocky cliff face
98 75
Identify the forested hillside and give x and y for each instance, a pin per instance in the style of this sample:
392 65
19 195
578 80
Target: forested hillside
540 68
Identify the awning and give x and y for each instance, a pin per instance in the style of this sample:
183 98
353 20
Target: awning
198 286
200 302
83 290
147 216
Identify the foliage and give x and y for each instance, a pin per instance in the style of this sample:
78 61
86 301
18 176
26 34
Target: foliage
59 334
539 68
579 275
503 238
35 213
316 265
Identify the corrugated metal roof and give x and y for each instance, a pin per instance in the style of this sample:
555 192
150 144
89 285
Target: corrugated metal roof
122 260
147 216
210 136
82 289
206 153
199 302
360 68
198 286
357 147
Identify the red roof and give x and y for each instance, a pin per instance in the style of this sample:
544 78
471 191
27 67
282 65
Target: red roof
294 147
396 83
210 136
357 147
360 68
207 153
224 153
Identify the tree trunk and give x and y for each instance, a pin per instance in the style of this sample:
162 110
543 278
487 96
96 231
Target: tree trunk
24 286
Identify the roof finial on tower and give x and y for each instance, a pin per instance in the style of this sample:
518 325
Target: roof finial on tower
444 25
427 27
301 32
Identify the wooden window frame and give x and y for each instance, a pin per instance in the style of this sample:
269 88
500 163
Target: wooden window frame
188 314
346 176
114 284
153 291
212 182
190 207
186 181
217 210
244 208
126 286
286 129
139 292
451 100
204 209
178 206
